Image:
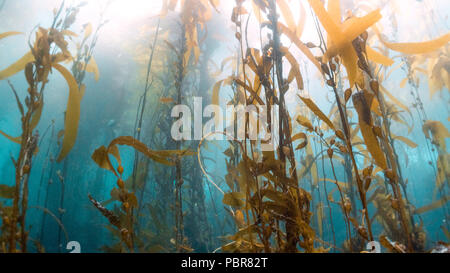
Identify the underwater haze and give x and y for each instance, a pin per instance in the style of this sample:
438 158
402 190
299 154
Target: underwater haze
253 126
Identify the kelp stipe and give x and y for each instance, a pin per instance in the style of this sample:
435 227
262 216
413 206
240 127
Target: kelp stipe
257 218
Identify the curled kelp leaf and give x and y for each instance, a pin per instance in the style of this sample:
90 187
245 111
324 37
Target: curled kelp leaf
166 157
100 156
141 147
72 112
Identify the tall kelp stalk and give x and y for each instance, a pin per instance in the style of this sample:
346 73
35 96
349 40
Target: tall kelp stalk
49 49
354 53
180 73
285 144
154 217
142 105
141 167
196 223
161 206
83 62
193 16
285 219
329 69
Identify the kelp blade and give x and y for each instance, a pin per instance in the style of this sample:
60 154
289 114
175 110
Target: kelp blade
17 66
9 33
419 48
72 113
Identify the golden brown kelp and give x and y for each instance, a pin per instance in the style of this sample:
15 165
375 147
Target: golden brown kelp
47 52
345 48
271 211
348 55
369 98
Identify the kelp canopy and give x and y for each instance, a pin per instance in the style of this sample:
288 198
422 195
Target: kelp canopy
113 136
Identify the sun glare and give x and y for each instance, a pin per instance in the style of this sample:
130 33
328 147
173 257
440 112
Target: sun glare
133 9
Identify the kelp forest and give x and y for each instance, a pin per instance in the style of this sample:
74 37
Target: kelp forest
218 126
